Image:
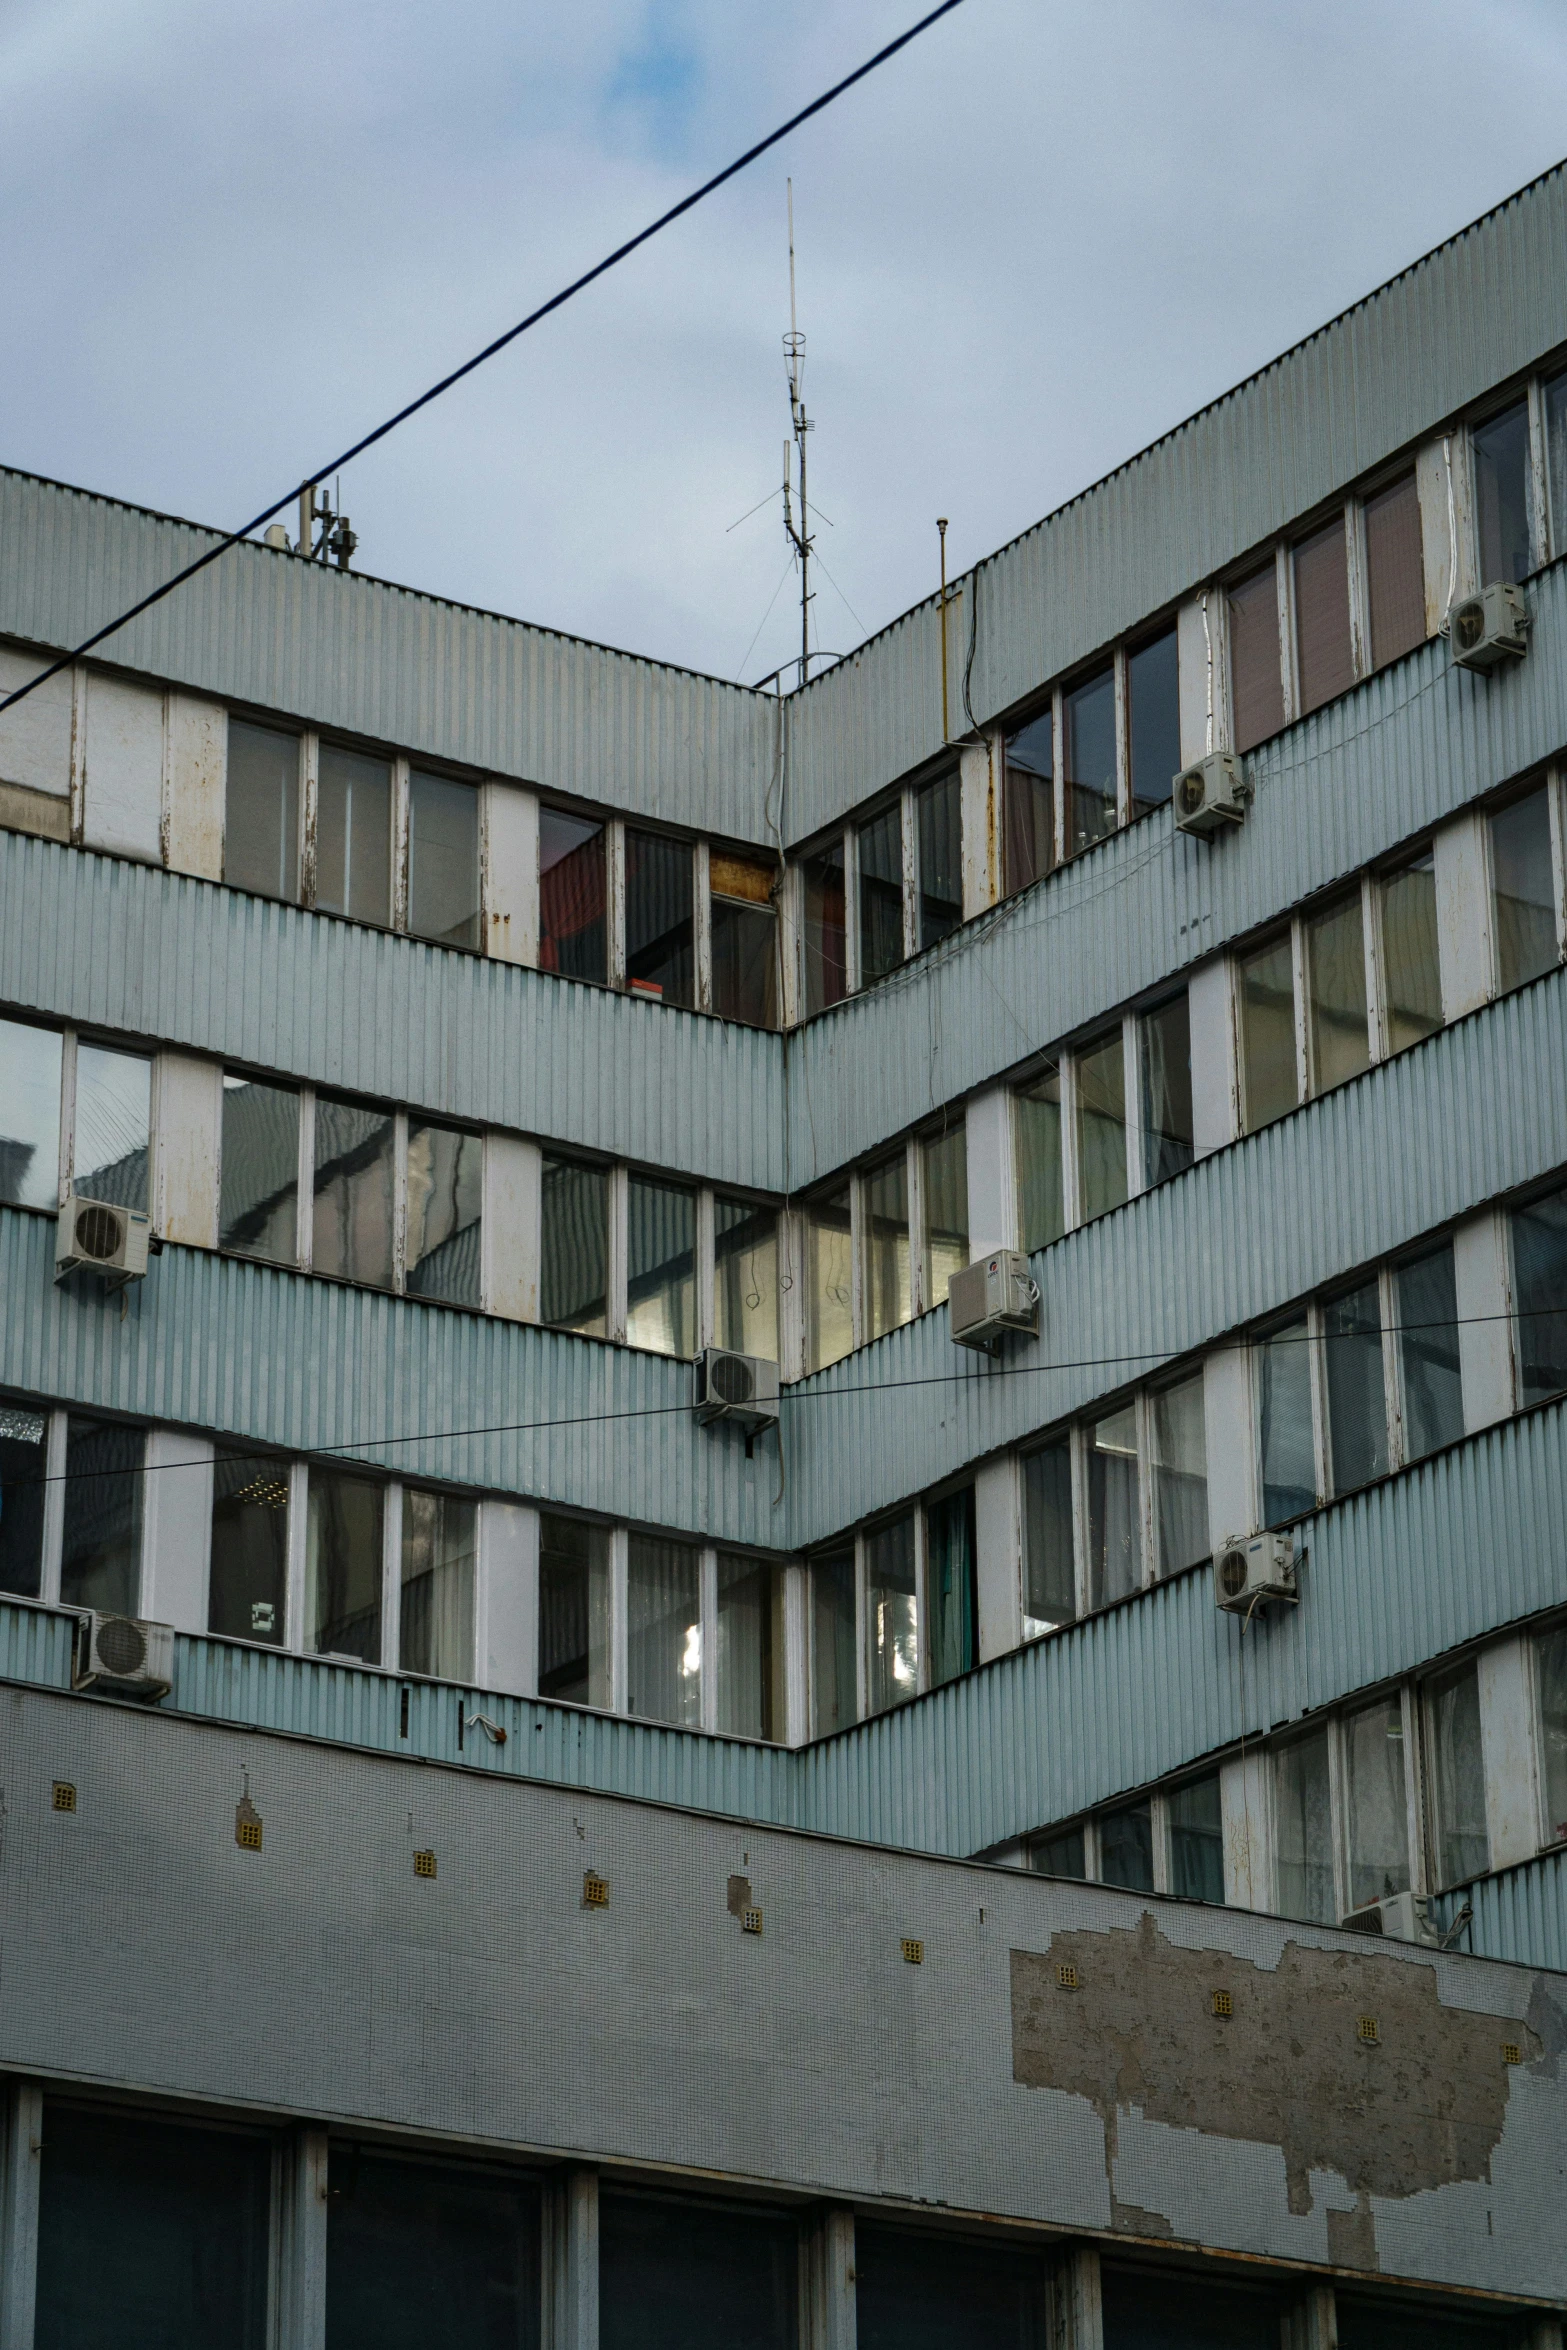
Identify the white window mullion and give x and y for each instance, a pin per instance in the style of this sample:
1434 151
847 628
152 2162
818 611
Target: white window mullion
709 1636
298 1541
1376 979
702 924
615 859
1359 607
1159 1822
67 1109
1316 1357
914 1188
1058 763
400 843
392 1577
1077 1440
1539 475
305 1204
1556 800
921 1601
615 1307
309 813
909 833
54 1508
1392 1366
399 1200
1071 1187
1123 738
857 1305
1132 1085
1289 671
706 1270
1303 1074
862 1634
851 911
619 1572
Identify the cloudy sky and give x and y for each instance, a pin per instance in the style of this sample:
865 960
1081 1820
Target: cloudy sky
237 236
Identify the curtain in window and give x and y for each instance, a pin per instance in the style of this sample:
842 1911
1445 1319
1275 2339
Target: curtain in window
1040 1183
261 811
663 1633
834 1675
435 1617
950 1573
1463 1847
1428 1351
1050 1588
1377 1804
354 836
1395 572
1256 680
1322 639
1101 1125
1303 1812
1356 1389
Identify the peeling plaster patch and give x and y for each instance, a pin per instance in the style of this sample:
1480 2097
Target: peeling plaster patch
1503 2234
1190 2174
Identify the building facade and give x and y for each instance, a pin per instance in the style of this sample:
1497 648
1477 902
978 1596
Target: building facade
602 1877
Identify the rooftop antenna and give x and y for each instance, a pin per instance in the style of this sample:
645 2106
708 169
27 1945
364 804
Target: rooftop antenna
799 536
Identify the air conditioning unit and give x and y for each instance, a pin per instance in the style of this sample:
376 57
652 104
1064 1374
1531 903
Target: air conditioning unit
1211 794
1403 1917
94 1236
124 1654
1251 1569
736 1387
1487 629
990 1297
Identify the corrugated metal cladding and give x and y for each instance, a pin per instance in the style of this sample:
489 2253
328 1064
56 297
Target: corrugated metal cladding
1440 336
1519 1915
433 679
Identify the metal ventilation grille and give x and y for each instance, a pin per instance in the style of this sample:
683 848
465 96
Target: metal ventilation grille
731 1379
122 1646
100 1233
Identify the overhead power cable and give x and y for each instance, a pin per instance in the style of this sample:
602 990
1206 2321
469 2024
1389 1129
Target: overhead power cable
556 302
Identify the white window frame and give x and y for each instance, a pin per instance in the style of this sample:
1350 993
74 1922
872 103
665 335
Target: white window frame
1338 1788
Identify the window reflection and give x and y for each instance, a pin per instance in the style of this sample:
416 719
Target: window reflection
660 930
1354 1385
354 1192
1196 1832
891 1614
1411 963
829 1280
573 937
1523 890
1101 1125
101 1559
1050 1586
113 1120
939 812
1126 1848
343 1565
443 861
881 895
573 1610
1029 803
745 1277
354 836
834 1673
1090 762
944 1190
1282 1368
573 1272
29 1115
1115 1564
24 1452
1501 474
661 1268
1153 721
1338 1039
663 1632
261 811
248 1581
884 1196
435 1611
445 1203
750 1647
826 968
1041 1189
1269 1083
259 1188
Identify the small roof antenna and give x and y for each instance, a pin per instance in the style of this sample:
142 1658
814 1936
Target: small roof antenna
799 536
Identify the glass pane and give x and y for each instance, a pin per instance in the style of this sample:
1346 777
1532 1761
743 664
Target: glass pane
1060 1855
1501 462
954 1599
418 2254
1362 2325
1540 1289
893 1645
1180 1475
1356 1394
343 1555
1168 1126
151 2236
826 966
1256 681
1049 1579
1154 721
1101 1125
443 861
573 938
676 2276
445 1203
1461 1847
750 1648
575 1226
1322 643
1115 1551
1304 1816
1395 572
573 1611
944 1190
29 1115
100 1565
745 1277
261 811
247 1593
884 1201
1337 1038
1126 1848
1553 1732
24 1460
1196 1840
354 1186
1144 2311
113 1120
661 1268
1428 1351
940 814
1376 1805
259 1190
1269 1082
1040 1183
1282 1365
1556 444
1412 971
745 958
660 925
834 1692
1029 799
881 895
829 1281
936 2292
663 1632
435 1612
1090 762
1523 890
354 836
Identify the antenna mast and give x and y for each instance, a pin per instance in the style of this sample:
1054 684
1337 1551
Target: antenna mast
799 537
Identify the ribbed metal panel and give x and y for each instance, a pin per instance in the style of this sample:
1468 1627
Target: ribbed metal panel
1520 1915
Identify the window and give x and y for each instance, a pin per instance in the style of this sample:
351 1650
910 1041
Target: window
829 1280
939 823
1460 1846
745 1277
445 1204
419 2253
1195 1827
744 940
1523 890
354 1192
248 1580
574 1262
1501 473
891 1614
343 1555
1146 2311
1257 683
1041 1191
259 1187
660 917
1126 1847
944 1203
1049 1579
826 935
1304 1829
24 1457
1426 1303
750 1648
1060 1854
1395 572
1338 1043
1169 1130
435 1611
1540 1296
1352 1378
1411 965
354 836
111 1126
1029 803
1266 989
1179 1449
663 1632
1556 466
1376 1804
1551 1657
673 2275
1115 1551
573 1611
1282 1365
1153 693
950 1582
443 861
573 933
100 1564
884 1196
661 1268
1090 761
29 1115
834 1672
937 2292
261 811
1323 648
1101 1125
881 895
